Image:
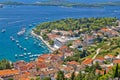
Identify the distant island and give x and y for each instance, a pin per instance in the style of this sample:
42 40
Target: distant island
63 3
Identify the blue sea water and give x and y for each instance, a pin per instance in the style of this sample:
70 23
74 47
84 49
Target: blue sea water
13 18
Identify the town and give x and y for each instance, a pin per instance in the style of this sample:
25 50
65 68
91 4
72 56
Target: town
74 52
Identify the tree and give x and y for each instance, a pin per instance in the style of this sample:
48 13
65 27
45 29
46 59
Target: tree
60 75
116 71
47 78
37 78
73 76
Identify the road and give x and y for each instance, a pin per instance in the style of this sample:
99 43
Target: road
97 52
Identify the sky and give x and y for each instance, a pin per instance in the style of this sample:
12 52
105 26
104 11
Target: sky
84 1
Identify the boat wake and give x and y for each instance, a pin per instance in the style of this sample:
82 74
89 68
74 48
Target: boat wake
15 22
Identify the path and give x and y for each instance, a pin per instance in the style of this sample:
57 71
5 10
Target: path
97 52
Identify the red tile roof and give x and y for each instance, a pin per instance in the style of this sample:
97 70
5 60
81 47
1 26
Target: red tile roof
73 63
87 61
116 61
100 58
8 72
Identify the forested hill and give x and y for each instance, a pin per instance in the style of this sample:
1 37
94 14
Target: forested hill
84 24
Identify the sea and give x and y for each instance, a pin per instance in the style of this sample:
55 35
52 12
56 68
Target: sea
14 18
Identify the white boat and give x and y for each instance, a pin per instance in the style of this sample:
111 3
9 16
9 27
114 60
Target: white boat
21 32
25 49
15 55
18 44
21 55
24 53
31 56
26 38
29 53
17 41
3 30
1 5
12 38
31 59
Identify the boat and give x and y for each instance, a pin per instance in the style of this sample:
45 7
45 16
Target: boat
17 41
25 49
21 55
21 32
31 59
30 25
29 53
24 53
15 55
12 38
1 5
3 30
31 56
26 38
18 44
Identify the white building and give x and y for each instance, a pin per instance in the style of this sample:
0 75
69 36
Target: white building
59 42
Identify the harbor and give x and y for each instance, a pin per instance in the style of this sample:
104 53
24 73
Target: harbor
47 44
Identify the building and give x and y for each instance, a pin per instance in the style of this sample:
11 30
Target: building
9 73
59 42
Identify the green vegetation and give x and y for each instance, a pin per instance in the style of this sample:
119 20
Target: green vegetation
90 74
82 24
5 64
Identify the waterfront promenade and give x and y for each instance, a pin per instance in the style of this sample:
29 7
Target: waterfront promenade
47 43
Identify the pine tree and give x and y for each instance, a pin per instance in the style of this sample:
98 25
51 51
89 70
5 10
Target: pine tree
73 76
116 72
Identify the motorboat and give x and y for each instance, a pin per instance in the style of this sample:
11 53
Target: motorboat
3 30
21 32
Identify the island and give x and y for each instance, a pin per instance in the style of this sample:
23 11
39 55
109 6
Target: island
63 3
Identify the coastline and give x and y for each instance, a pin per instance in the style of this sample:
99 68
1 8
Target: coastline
45 42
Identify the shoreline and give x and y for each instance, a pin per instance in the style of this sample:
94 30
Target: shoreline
45 42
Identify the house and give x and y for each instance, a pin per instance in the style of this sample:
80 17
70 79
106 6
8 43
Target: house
109 57
88 39
109 32
20 65
66 51
87 62
22 76
8 73
76 44
117 61
100 60
42 66
73 63
52 36
100 71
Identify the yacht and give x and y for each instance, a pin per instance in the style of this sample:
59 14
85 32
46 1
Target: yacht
21 55
3 30
18 44
21 32
26 38
24 53
1 5
25 49
15 55
29 53
17 41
